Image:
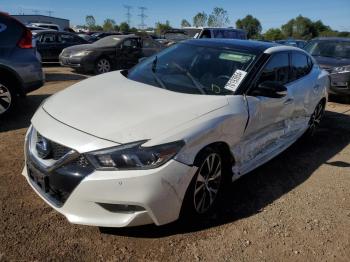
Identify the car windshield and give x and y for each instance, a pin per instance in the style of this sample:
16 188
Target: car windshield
193 69
108 41
336 49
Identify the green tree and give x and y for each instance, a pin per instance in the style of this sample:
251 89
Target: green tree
124 27
90 22
133 30
185 23
273 34
98 28
300 28
200 19
251 25
108 24
218 18
162 28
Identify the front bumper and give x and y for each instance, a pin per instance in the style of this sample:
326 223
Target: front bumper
83 63
113 198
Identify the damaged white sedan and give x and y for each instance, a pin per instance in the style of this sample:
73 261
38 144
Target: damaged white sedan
158 141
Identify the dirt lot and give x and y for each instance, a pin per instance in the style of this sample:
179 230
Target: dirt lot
294 208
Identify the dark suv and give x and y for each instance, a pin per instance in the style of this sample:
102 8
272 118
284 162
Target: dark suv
20 68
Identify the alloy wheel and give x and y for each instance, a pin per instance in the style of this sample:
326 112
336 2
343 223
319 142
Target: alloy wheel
316 118
5 99
103 66
208 183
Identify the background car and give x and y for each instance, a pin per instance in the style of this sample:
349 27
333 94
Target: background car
292 42
333 55
99 35
47 26
109 53
20 68
216 32
51 43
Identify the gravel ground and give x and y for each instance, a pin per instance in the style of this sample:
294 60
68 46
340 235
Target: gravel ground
294 208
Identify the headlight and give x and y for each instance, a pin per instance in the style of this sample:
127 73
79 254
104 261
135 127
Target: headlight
82 53
341 69
134 156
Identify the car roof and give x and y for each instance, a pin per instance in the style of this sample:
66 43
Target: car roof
347 39
251 45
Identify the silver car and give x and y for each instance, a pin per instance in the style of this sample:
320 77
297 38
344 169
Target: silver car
20 68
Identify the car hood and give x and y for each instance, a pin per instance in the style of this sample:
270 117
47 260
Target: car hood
114 108
330 62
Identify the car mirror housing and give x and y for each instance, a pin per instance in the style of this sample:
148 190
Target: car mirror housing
271 89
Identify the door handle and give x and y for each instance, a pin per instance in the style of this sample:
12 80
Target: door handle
288 101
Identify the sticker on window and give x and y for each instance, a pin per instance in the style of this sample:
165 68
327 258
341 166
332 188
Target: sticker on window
2 27
235 80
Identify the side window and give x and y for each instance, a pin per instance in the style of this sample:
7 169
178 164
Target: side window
130 43
65 39
48 38
149 43
206 34
300 66
276 69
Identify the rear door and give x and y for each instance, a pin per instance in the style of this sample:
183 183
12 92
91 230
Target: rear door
304 79
130 52
47 46
268 128
150 47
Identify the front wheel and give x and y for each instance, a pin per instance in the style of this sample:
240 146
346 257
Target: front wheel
206 186
102 66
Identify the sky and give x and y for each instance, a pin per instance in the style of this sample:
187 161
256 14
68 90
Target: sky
271 13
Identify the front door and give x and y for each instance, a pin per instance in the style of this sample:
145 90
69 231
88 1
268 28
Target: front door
269 129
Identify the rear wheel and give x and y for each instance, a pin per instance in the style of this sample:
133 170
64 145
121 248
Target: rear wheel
316 118
7 99
102 66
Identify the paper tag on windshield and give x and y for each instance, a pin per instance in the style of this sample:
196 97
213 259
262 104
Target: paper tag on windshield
235 80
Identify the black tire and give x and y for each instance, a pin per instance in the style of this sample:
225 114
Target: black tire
8 98
102 65
316 118
191 207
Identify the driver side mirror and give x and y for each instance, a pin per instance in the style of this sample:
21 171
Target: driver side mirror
270 89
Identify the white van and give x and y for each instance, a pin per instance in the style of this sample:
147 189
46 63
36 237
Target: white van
47 26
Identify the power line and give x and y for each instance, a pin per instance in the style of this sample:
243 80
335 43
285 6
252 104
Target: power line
143 17
128 14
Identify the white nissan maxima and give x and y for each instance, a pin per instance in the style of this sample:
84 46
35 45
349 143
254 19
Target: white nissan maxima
158 141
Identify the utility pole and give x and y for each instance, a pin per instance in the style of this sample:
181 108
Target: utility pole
143 17
128 14
50 12
35 11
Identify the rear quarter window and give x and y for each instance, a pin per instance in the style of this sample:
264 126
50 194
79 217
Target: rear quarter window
10 31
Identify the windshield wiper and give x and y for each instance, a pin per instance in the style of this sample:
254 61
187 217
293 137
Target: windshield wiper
153 70
198 85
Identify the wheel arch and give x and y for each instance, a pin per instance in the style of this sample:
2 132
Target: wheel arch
12 78
222 147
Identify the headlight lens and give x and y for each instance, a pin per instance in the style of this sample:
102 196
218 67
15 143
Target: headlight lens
134 156
82 53
341 69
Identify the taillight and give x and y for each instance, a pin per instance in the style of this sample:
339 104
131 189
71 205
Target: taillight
26 39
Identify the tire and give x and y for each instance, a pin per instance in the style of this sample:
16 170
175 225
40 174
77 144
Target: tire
7 98
315 119
103 65
207 185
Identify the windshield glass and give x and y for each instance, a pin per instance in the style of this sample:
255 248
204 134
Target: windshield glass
192 69
336 49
